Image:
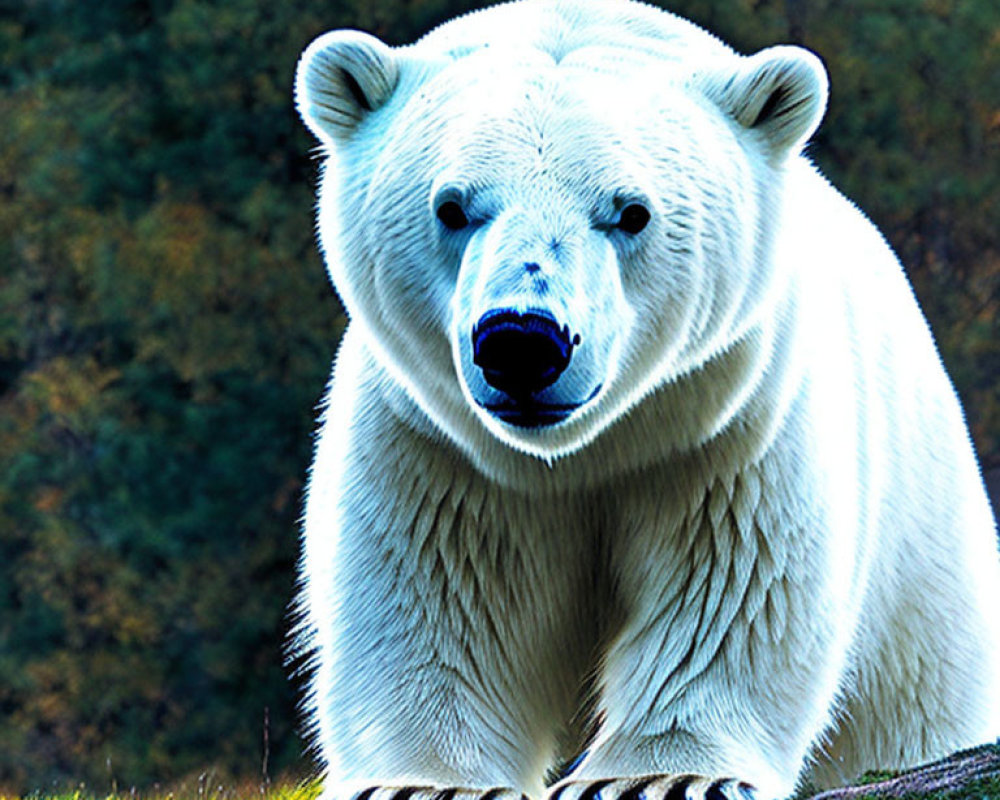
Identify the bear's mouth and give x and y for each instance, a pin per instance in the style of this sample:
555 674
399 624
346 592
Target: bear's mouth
531 414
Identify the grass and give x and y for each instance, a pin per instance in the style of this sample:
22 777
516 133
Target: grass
205 789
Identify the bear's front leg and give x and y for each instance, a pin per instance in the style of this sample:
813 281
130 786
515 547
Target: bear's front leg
415 694
442 609
723 674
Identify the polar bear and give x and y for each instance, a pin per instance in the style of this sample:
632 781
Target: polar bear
639 475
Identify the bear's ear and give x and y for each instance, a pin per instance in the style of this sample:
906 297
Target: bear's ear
342 77
780 93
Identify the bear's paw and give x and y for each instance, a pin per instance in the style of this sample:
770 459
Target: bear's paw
654 787
436 793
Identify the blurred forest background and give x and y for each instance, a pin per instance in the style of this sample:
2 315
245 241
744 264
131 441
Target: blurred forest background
166 330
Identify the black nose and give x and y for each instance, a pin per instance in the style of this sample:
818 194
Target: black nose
521 354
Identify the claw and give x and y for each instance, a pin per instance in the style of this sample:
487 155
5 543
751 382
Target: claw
593 792
637 791
678 787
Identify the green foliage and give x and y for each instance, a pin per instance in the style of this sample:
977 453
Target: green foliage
165 333
166 330
204 787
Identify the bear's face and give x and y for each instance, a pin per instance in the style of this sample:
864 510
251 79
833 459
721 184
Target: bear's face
581 244
536 244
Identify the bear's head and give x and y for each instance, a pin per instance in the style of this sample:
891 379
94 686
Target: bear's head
537 231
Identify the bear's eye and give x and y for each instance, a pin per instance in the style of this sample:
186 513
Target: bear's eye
452 216
634 218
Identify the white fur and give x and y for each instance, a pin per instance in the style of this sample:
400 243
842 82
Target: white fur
763 546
